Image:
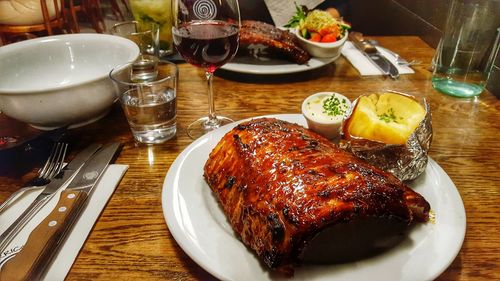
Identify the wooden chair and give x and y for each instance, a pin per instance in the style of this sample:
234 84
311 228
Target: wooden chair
116 9
90 9
49 25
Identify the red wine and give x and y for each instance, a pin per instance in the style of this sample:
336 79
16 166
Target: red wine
208 44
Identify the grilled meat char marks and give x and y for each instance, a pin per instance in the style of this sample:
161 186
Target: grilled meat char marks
280 184
279 42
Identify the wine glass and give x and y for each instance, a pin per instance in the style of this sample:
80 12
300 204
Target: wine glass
206 34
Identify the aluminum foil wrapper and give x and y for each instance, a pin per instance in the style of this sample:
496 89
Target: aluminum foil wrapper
406 162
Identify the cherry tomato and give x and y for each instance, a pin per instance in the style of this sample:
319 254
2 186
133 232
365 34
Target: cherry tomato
326 30
329 38
315 37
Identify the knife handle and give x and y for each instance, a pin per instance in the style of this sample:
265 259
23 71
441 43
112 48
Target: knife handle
44 241
359 41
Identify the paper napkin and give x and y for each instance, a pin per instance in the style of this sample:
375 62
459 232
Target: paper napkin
282 10
365 66
74 242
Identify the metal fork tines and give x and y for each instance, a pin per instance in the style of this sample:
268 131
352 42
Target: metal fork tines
56 161
52 167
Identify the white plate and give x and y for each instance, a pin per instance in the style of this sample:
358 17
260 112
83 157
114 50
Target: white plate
199 226
247 64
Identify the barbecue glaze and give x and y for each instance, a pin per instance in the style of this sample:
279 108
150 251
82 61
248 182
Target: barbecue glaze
280 184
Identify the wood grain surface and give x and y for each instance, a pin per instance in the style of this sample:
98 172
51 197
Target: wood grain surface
131 241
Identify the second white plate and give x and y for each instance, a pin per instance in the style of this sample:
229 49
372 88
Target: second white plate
251 65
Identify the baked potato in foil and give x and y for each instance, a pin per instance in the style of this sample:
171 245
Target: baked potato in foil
392 131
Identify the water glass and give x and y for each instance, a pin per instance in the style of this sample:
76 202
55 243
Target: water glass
149 104
147 39
494 80
464 54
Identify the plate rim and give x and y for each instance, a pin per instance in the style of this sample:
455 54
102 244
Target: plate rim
286 69
174 229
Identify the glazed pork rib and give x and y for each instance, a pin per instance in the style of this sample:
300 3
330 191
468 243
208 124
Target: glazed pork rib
279 42
280 184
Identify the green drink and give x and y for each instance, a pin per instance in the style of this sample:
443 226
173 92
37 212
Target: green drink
458 82
147 12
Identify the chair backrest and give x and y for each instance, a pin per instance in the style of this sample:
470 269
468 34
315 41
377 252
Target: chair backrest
59 7
89 9
49 23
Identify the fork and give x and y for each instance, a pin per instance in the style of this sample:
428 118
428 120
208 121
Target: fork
399 59
52 167
402 61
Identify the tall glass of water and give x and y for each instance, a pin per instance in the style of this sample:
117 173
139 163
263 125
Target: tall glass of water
494 78
464 52
206 34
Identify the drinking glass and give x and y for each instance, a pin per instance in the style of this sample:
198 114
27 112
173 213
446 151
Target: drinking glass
147 12
465 50
206 34
494 80
146 38
149 104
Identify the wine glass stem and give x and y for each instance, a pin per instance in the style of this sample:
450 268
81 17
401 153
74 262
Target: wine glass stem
212 117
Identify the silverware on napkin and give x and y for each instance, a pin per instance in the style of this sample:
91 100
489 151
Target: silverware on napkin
57 182
399 60
52 167
47 238
373 55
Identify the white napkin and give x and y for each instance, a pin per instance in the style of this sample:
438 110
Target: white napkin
365 66
74 242
282 10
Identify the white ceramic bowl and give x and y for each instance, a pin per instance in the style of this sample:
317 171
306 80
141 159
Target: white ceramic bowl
323 124
321 50
61 80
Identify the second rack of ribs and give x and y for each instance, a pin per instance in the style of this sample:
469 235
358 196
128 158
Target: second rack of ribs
280 43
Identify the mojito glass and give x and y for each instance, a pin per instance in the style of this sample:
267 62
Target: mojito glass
148 12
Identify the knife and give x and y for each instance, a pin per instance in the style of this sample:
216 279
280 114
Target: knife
373 55
57 182
46 239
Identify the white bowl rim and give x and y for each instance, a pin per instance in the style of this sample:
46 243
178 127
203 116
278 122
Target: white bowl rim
130 45
308 116
322 44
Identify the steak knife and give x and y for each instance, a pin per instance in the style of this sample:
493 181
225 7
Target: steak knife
373 55
57 182
47 238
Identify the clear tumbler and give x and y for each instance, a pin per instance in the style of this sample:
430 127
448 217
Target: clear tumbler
464 55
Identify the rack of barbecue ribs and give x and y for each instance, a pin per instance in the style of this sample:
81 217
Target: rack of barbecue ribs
280 184
280 43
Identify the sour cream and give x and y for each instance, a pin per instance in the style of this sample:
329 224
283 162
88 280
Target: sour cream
325 111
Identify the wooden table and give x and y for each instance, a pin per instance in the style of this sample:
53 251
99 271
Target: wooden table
131 241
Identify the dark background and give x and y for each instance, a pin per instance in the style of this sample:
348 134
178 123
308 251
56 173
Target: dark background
424 18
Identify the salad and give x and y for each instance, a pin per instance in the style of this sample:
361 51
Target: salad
318 25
